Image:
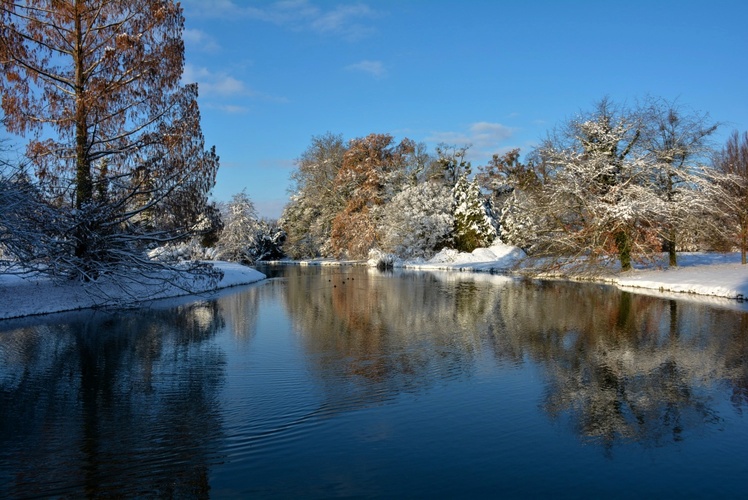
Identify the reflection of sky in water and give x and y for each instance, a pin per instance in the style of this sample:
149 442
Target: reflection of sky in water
349 382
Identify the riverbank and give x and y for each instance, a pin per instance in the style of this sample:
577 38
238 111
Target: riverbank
702 274
715 275
698 273
21 297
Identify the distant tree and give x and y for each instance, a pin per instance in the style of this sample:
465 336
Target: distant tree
241 227
418 221
269 241
732 182
450 164
315 201
363 181
505 174
475 224
115 140
677 140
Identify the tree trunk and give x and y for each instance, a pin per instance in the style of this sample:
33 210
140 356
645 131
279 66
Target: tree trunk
623 242
83 183
84 186
671 248
672 255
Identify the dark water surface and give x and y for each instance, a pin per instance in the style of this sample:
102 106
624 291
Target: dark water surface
346 382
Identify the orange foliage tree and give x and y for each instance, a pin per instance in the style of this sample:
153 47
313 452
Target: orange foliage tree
114 137
366 180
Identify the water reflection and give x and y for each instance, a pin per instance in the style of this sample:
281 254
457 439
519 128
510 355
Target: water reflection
370 336
471 383
627 367
617 366
108 404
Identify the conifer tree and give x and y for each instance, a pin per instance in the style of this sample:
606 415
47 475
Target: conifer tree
474 222
114 140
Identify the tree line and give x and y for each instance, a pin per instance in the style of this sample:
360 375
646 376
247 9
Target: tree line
614 183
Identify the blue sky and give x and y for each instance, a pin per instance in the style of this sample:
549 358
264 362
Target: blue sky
495 74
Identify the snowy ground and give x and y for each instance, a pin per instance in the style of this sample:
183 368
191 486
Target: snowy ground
25 297
703 274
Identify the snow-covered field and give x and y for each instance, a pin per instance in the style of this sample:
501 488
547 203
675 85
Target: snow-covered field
700 275
25 297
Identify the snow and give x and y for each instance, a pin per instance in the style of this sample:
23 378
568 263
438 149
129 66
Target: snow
698 274
496 258
716 275
706 277
31 296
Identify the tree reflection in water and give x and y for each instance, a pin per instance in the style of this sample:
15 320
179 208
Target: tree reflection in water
630 368
618 366
141 404
112 404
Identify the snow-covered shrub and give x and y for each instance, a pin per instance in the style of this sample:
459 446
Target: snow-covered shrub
381 260
418 221
268 242
520 221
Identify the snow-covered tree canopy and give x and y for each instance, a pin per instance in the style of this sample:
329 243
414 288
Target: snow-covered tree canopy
612 184
600 193
418 221
365 181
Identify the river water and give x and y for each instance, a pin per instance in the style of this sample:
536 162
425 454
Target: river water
340 382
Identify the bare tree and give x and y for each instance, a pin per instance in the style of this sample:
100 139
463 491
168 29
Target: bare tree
677 138
450 164
315 202
732 164
594 199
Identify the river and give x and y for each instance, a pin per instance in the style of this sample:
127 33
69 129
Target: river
339 382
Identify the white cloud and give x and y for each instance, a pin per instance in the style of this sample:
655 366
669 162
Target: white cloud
228 108
211 8
342 20
221 85
345 20
199 40
213 83
484 139
373 68
488 134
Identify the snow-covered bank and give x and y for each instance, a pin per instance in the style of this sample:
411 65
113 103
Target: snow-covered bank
704 274
496 258
26 297
717 275
698 274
